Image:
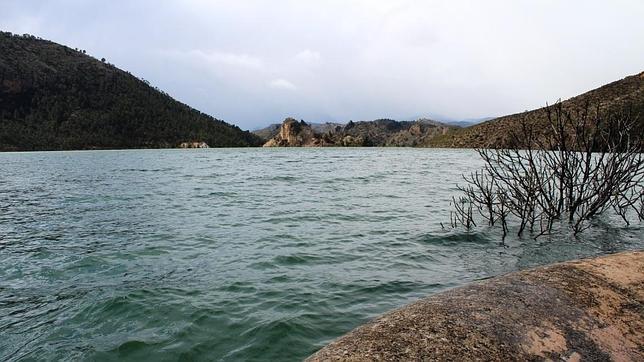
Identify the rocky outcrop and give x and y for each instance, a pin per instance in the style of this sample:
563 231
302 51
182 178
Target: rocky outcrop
586 310
295 133
382 132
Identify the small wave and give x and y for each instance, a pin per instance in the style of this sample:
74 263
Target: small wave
283 178
222 194
398 286
298 259
262 265
282 328
166 169
292 219
455 238
129 347
359 292
240 287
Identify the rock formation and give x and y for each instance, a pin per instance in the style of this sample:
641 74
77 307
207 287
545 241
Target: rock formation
296 134
587 310
382 132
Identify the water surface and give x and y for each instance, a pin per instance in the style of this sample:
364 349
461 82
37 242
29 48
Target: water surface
235 254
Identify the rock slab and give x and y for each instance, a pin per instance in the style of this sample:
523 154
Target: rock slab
585 310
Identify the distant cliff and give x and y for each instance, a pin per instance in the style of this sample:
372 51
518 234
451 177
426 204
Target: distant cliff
54 98
382 132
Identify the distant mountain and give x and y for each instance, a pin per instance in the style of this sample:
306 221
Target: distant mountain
458 122
381 132
56 98
267 132
467 122
627 93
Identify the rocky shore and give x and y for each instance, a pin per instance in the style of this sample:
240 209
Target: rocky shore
585 310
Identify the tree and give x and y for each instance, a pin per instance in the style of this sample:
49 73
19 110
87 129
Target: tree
586 163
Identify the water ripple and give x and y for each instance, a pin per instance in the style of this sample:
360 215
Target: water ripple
229 254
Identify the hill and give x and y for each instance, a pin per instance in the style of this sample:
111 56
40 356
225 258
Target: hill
627 93
268 132
381 132
53 97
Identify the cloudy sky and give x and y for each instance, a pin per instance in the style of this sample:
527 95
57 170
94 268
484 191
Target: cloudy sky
253 63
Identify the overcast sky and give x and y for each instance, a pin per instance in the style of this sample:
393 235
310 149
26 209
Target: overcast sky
253 63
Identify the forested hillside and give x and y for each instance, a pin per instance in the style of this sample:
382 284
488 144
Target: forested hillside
56 98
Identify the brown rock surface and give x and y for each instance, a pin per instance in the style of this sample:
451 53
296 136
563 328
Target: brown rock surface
295 134
588 310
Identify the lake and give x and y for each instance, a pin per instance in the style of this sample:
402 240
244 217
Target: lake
237 254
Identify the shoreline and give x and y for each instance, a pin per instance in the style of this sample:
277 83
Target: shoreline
587 309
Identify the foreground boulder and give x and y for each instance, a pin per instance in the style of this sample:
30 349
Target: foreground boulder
588 310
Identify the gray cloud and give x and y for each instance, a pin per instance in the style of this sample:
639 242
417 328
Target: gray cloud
256 62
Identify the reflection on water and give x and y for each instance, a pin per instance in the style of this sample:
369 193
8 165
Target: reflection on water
235 254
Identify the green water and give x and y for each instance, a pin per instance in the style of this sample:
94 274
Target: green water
229 254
